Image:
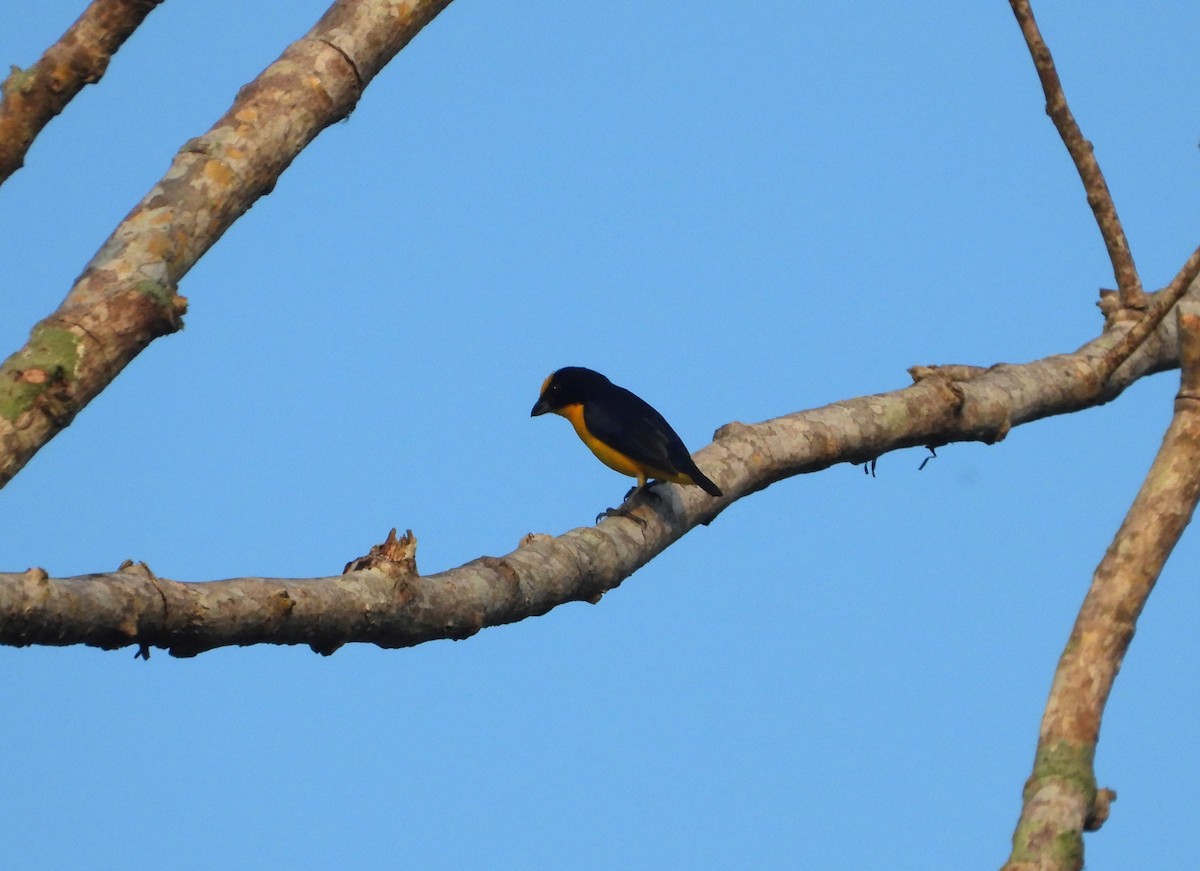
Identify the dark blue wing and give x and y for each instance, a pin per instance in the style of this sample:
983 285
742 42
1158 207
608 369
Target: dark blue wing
625 422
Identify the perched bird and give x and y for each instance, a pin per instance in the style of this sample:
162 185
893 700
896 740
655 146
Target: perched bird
621 429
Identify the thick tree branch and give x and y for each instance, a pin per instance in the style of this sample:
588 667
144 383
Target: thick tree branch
1098 196
127 294
30 98
392 606
1061 798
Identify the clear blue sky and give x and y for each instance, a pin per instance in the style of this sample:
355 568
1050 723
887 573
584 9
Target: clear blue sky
735 211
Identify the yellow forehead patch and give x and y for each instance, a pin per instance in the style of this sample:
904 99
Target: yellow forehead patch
545 384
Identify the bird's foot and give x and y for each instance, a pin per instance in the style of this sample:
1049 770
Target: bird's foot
643 488
625 511
621 511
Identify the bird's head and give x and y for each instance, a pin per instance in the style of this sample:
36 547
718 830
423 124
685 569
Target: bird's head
570 385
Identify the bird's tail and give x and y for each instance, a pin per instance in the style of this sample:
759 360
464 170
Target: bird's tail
699 479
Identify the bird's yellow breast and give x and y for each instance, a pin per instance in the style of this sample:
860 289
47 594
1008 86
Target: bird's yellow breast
611 457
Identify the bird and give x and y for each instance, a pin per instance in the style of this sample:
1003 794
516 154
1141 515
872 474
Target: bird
621 429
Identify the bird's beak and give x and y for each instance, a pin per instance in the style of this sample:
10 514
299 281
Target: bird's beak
539 407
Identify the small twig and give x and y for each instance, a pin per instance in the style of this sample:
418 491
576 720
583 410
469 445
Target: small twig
1098 196
34 96
1164 300
1061 798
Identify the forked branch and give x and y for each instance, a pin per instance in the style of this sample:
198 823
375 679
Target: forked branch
1153 314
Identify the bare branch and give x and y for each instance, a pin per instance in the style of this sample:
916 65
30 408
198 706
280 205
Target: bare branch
34 96
1098 196
127 295
1154 314
390 605
1061 799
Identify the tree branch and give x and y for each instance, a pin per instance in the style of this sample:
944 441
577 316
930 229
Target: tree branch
1061 800
1153 315
127 295
30 98
1098 196
392 606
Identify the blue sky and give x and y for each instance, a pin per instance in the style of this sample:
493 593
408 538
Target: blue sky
735 213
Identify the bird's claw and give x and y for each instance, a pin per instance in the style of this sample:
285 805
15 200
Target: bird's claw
621 512
634 492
